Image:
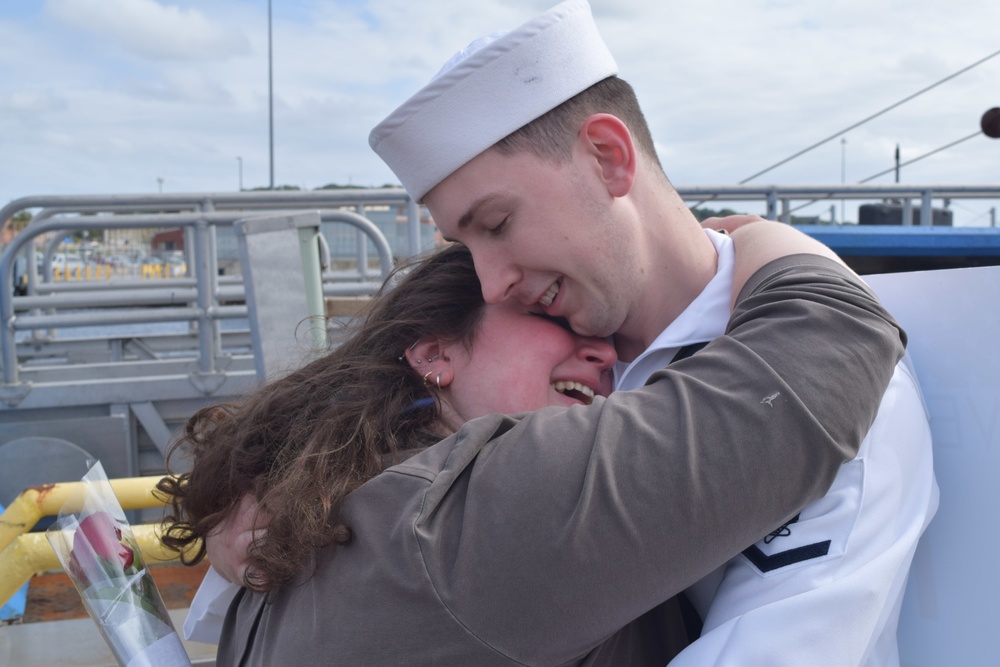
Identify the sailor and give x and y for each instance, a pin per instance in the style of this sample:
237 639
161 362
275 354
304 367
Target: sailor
529 149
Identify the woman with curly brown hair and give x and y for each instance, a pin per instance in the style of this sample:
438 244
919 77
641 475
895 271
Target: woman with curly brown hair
410 375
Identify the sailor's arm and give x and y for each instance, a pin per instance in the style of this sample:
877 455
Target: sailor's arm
586 518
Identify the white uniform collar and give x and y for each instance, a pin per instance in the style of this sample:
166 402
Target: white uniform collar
704 319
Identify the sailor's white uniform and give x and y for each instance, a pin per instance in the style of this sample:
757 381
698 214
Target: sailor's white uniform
825 589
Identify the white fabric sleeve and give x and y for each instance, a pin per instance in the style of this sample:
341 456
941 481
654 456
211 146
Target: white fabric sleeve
208 608
841 606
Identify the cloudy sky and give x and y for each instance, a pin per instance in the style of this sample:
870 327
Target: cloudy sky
111 96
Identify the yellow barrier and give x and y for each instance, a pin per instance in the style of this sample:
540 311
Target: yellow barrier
88 272
23 554
38 501
155 271
31 553
105 272
97 272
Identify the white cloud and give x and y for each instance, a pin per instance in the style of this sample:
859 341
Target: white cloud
31 102
187 86
729 86
151 30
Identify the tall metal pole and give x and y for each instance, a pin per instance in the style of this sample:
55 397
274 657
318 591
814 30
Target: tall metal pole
897 163
240 160
270 94
843 174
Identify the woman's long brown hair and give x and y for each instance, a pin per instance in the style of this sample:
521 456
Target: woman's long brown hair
300 444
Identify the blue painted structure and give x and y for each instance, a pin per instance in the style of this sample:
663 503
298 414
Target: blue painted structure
892 248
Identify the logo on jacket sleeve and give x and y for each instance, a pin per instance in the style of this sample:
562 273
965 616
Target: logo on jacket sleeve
767 562
819 533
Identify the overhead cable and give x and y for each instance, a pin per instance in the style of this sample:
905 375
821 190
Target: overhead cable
916 159
873 116
891 169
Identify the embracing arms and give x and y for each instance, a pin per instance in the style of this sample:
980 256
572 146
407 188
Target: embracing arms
589 517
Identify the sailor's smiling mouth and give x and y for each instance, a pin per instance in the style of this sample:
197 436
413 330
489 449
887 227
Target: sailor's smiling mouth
550 294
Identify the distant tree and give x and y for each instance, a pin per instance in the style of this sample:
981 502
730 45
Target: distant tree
809 220
20 220
88 235
338 186
703 213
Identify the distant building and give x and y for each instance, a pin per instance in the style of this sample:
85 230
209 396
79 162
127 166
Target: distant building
391 221
167 241
893 214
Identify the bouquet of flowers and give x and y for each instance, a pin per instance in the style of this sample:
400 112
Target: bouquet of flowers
95 545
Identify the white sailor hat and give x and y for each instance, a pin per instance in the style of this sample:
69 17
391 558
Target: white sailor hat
493 87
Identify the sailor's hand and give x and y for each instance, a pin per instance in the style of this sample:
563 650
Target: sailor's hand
730 223
228 546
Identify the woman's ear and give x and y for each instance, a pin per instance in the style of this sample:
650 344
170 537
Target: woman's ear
607 139
429 358
423 354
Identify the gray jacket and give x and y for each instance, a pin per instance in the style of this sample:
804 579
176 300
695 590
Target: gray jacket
547 538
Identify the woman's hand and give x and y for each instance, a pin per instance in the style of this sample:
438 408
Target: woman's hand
228 546
758 242
730 223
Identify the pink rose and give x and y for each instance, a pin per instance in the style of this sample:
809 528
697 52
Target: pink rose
99 537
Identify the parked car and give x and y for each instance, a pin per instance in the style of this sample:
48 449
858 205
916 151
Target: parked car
20 275
62 261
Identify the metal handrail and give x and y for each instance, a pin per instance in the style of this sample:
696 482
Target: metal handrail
40 501
32 554
772 195
204 308
24 554
247 201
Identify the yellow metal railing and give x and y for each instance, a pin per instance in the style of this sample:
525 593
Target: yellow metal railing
96 272
24 554
79 273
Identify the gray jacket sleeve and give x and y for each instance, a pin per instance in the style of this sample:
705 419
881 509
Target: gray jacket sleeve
544 533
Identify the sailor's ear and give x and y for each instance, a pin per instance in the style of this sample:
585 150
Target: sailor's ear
607 139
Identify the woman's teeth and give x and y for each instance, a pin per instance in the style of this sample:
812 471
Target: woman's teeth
550 295
575 390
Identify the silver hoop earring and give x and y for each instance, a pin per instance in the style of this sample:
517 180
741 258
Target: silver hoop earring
426 375
438 381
